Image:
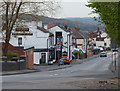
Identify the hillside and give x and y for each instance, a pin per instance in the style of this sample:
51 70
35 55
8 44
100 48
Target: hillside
89 20
83 26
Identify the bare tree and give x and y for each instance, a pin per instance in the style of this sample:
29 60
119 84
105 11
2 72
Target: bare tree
12 10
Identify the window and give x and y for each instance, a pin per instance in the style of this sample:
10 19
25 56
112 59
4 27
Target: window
20 41
99 39
58 35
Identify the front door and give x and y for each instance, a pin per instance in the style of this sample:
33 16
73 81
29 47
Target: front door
43 56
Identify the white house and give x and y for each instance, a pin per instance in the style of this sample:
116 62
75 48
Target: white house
67 39
39 38
103 40
100 38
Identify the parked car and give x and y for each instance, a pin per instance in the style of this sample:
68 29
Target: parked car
65 60
103 54
50 62
115 50
77 49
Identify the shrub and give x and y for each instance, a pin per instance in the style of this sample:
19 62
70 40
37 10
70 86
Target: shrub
41 61
77 52
108 49
74 60
10 55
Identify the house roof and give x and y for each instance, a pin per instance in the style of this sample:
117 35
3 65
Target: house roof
77 33
27 48
50 25
62 27
44 30
92 35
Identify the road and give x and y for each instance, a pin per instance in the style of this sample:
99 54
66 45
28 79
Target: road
97 68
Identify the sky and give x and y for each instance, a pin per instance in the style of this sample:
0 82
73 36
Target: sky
74 8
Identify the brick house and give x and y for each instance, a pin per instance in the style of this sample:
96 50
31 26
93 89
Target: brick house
15 49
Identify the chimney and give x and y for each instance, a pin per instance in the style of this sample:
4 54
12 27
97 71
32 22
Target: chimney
65 26
106 30
42 26
46 26
98 30
39 24
69 29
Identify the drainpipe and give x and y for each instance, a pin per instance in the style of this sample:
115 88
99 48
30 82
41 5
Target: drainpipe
48 51
67 44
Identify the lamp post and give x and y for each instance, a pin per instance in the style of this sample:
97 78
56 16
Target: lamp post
19 43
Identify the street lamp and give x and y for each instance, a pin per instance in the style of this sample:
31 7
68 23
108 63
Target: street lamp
19 43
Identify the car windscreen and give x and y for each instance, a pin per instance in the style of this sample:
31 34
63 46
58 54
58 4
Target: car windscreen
103 53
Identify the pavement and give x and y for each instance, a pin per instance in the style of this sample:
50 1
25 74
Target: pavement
115 65
48 67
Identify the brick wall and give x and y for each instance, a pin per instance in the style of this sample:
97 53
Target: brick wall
29 58
18 50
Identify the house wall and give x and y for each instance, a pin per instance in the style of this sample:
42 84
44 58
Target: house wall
35 40
65 39
80 41
64 34
108 42
37 57
99 43
29 58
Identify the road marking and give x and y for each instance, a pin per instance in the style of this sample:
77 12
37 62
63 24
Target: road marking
50 75
55 74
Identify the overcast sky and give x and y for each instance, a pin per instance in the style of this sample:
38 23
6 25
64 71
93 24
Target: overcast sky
74 8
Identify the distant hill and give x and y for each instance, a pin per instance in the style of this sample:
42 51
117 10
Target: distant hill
89 20
84 24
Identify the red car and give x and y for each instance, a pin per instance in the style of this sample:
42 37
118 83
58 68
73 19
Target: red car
65 60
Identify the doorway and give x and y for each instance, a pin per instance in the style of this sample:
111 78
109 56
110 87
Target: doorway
43 56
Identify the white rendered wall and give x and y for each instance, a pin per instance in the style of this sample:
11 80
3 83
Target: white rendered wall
37 57
38 39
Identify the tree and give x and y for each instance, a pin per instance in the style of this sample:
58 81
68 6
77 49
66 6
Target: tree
109 15
13 9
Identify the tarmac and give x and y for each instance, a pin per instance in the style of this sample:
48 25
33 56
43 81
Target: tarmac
47 67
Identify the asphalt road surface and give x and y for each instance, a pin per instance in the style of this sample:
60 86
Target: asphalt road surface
97 68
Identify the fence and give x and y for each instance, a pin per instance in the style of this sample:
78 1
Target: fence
12 65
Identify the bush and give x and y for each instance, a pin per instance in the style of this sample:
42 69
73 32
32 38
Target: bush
74 60
108 49
77 52
41 61
10 55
